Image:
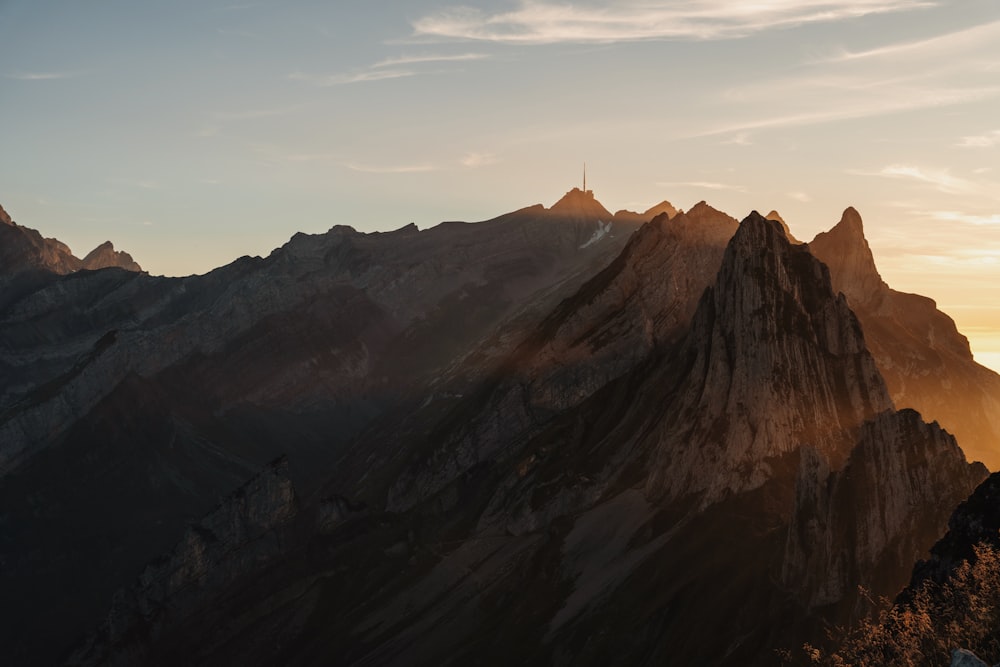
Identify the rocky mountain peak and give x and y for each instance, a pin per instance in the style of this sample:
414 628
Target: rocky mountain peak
702 212
775 360
578 204
5 217
105 255
663 207
774 215
845 250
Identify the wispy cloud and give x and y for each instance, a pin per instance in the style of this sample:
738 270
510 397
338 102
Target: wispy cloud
948 70
987 140
939 179
838 98
799 196
398 67
474 160
546 22
739 139
39 76
219 119
967 218
703 185
430 58
324 80
393 169
143 184
939 45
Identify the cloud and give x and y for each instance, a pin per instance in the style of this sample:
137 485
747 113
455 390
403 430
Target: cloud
431 58
546 22
987 140
940 179
324 80
934 47
944 71
799 196
967 218
474 160
390 68
397 169
704 185
39 76
739 139
872 97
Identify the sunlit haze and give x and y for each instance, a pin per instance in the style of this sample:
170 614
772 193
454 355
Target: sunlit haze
190 133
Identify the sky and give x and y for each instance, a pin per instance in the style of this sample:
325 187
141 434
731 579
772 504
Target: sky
190 133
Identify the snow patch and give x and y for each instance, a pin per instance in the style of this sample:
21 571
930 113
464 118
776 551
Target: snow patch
603 229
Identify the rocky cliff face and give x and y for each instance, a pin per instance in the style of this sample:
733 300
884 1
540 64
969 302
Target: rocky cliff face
951 608
775 361
925 361
863 524
642 301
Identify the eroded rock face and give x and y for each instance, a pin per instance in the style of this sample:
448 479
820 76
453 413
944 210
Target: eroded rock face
926 362
863 524
642 301
775 361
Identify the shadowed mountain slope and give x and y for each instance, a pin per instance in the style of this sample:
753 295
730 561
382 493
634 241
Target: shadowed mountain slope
158 395
654 518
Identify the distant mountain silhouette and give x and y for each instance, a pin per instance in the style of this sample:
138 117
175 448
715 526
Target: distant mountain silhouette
23 250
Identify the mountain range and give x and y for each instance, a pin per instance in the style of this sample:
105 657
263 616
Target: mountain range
560 436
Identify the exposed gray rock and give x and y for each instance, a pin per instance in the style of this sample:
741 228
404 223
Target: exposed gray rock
962 658
862 524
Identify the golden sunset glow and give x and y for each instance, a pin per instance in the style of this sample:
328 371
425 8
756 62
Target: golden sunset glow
194 133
